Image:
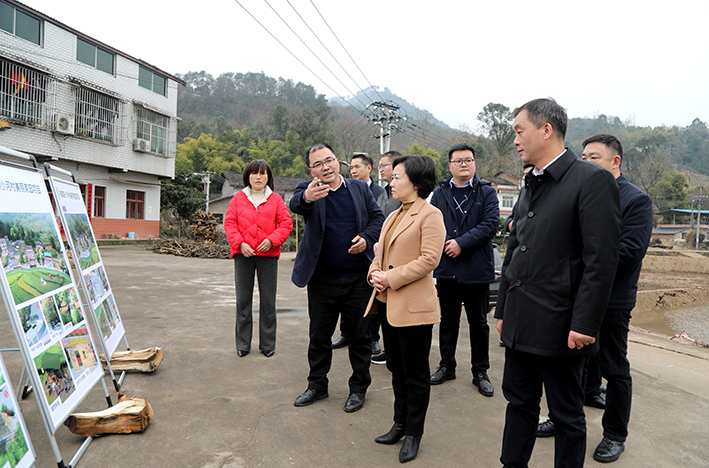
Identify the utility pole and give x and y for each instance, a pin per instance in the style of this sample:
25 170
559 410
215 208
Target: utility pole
386 116
206 180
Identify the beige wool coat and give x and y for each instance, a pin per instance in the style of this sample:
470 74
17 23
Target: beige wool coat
413 253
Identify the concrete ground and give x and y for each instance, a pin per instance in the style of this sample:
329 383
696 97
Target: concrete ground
215 410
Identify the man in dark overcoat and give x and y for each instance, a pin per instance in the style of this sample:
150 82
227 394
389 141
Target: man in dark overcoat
555 285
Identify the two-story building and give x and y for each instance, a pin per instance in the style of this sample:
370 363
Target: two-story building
83 106
507 187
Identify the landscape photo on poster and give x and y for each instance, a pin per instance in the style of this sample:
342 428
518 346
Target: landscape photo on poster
69 307
54 374
86 251
13 446
79 351
32 259
96 284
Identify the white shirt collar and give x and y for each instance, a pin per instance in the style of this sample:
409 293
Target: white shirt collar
538 172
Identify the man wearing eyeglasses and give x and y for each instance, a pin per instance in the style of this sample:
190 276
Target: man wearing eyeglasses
471 213
342 223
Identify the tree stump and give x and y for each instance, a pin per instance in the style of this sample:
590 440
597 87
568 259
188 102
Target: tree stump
144 360
127 416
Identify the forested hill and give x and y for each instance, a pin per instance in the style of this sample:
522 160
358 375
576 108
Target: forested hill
237 117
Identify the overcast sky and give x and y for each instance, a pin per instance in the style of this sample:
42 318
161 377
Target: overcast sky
647 62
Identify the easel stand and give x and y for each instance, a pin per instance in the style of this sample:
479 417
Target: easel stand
67 197
59 356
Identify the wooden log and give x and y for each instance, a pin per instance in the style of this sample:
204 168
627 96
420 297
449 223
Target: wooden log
144 360
127 416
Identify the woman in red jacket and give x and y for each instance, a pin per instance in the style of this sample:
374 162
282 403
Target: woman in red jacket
256 223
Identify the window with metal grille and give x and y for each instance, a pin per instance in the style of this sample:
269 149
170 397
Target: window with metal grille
94 56
20 24
97 116
99 201
152 81
23 93
153 127
134 204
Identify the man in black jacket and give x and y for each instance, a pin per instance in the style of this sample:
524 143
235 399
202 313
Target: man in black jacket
612 361
471 213
555 285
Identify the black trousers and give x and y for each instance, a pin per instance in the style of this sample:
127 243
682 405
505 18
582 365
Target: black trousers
612 363
328 299
476 299
522 386
407 351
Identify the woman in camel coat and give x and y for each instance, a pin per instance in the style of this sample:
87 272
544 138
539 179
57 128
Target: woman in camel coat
410 247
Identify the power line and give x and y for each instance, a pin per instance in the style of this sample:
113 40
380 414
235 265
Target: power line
295 57
343 48
329 52
311 51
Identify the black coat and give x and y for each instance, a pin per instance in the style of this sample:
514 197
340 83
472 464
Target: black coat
636 229
561 259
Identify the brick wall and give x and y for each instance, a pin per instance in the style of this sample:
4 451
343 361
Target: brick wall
143 229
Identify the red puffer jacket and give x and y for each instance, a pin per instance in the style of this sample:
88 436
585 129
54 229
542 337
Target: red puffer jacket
244 223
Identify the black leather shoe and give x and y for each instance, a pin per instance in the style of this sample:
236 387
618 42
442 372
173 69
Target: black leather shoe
608 450
597 401
309 397
441 375
603 389
241 352
410 448
341 342
268 353
393 436
546 429
376 349
379 359
482 381
354 402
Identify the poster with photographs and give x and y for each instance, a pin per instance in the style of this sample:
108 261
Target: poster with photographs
15 446
40 294
87 259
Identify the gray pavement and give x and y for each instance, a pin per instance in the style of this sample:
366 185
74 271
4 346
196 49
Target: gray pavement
215 410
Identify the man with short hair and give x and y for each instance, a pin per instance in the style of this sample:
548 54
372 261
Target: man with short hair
342 223
555 285
361 168
612 362
471 213
388 204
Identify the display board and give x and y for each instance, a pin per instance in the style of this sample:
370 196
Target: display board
15 447
41 297
87 260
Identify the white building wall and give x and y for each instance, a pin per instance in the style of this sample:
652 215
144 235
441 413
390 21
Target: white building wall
114 166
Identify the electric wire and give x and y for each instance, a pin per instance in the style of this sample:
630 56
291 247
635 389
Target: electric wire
343 48
328 51
312 52
295 56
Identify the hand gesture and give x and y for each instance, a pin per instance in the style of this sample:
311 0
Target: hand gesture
359 245
315 192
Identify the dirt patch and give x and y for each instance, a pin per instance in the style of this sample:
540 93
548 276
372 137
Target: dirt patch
669 282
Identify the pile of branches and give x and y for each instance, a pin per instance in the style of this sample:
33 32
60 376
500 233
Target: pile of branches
205 227
190 248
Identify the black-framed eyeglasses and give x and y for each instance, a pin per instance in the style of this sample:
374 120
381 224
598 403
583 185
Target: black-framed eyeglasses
459 162
326 162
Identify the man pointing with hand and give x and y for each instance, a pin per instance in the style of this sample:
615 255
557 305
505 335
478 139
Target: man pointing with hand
342 223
